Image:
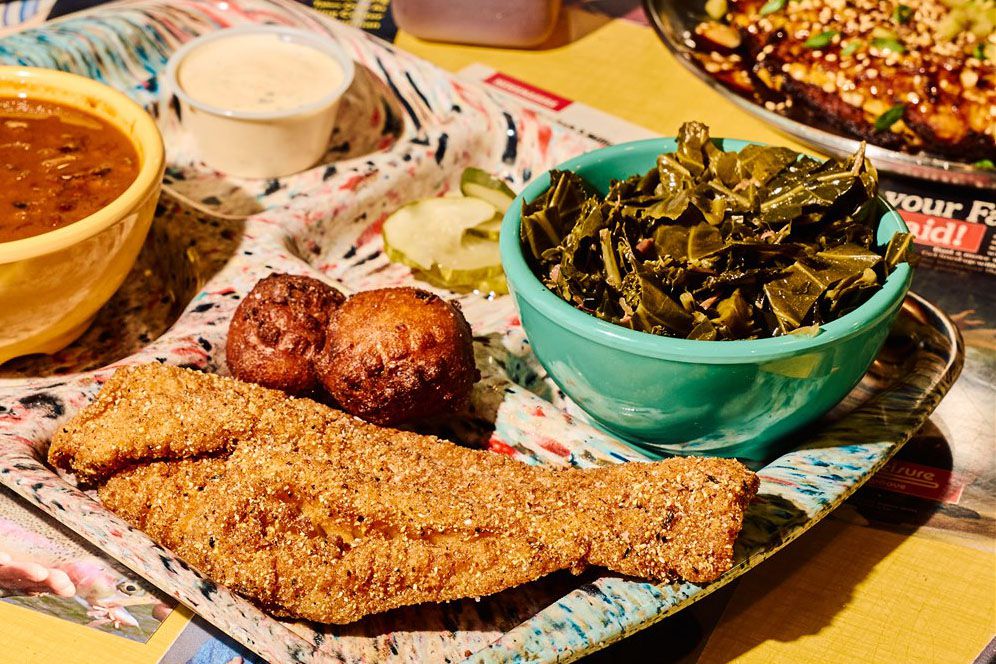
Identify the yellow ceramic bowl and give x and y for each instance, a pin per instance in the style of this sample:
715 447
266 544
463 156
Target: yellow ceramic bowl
51 285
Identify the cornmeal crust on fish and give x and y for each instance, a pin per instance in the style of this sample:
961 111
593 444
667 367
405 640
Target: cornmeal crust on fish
318 515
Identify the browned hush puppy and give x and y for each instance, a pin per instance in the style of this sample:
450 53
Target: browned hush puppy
398 354
277 329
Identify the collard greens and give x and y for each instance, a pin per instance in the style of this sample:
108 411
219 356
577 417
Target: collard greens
713 244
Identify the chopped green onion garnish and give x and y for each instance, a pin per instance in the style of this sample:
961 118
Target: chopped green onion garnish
890 117
902 14
851 48
888 44
821 40
772 6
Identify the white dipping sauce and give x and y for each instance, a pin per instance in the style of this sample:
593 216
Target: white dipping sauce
258 73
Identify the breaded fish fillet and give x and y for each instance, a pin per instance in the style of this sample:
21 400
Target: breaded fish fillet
318 515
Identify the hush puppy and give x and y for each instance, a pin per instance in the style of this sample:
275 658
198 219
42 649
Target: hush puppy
277 329
397 354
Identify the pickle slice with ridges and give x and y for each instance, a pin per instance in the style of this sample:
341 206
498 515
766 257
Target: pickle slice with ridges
476 183
431 237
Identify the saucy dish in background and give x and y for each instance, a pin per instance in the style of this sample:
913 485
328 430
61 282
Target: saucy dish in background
57 166
915 77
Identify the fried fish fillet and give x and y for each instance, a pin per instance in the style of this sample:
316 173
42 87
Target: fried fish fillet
315 514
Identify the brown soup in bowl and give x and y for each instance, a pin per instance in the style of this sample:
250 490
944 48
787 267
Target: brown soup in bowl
57 165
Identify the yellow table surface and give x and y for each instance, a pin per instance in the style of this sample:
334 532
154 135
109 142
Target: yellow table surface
842 593
615 66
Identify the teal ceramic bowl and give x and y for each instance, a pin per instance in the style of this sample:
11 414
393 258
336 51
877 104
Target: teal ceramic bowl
678 396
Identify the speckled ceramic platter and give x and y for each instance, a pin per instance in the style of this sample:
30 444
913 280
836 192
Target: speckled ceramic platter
407 131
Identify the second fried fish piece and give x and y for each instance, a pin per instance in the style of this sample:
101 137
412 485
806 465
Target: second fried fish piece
317 515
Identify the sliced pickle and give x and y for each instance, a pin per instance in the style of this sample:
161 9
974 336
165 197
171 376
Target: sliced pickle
476 183
490 229
485 280
431 237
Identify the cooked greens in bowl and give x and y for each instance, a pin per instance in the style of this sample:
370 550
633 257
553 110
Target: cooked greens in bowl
713 244
692 396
